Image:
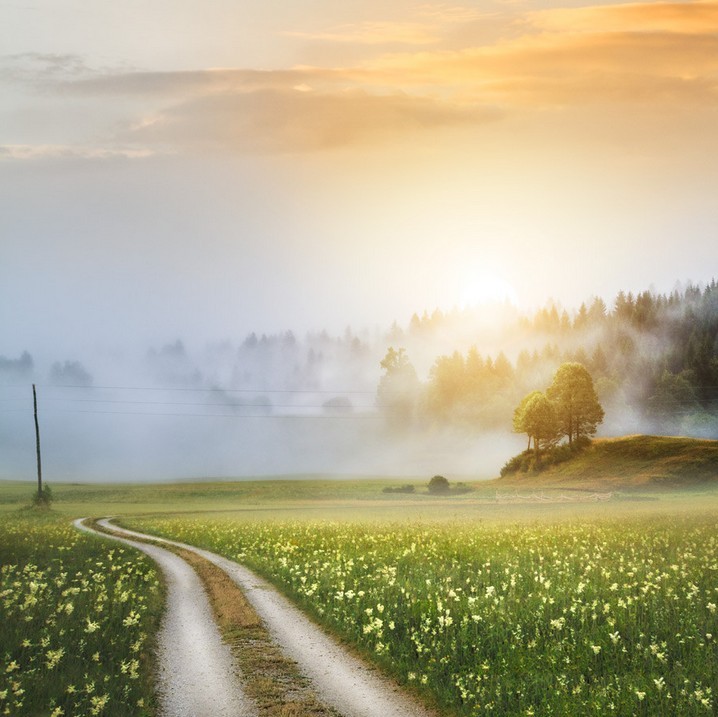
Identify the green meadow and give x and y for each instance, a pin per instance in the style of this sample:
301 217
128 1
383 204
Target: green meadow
78 619
588 615
533 595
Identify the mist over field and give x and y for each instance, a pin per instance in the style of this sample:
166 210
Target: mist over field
436 395
266 406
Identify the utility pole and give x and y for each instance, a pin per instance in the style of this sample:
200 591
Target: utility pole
37 442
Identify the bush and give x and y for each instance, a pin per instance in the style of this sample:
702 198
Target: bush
408 488
516 464
461 488
438 484
525 462
42 498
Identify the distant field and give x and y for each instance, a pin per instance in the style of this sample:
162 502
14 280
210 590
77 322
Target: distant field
357 499
677 470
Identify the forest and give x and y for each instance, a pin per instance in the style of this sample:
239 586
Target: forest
653 358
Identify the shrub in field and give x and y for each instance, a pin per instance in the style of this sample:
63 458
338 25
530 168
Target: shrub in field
43 497
77 615
600 618
438 484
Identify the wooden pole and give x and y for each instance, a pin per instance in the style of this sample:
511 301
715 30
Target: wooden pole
37 443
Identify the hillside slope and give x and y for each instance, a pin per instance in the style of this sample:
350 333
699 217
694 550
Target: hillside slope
630 462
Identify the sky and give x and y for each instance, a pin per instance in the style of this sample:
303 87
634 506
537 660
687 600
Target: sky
206 169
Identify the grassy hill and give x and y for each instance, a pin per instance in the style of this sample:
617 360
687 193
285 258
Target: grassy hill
630 462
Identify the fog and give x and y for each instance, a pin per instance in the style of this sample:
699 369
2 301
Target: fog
264 406
295 404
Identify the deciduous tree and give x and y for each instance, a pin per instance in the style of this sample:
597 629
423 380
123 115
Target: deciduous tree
536 416
574 397
398 390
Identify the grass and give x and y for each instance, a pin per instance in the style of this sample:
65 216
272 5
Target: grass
79 499
595 617
629 463
78 617
357 500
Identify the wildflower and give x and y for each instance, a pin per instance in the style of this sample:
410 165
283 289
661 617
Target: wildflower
53 657
132 619
98 703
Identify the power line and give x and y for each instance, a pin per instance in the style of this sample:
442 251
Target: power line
222 415
202 390
234 406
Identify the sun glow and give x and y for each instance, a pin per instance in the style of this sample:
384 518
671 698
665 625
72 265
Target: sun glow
486 289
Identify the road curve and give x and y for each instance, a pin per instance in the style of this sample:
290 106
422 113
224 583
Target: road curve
341 680
196 675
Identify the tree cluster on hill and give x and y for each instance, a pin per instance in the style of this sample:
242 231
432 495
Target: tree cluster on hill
570 408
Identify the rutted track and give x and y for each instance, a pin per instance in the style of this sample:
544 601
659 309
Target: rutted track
196 674
341 680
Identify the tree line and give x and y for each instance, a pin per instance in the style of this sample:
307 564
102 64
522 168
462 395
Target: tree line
655 354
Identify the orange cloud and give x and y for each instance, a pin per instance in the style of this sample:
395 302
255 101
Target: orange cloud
659 56
692 17
290 120
568 66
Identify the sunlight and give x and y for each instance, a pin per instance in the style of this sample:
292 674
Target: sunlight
486 289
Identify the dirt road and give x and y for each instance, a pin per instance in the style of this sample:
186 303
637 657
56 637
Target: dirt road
341 680
196 672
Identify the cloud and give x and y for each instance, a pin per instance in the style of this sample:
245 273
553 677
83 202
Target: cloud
185 83
691 17
35 67
295 120
60 151
296 110
568 67
662 57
